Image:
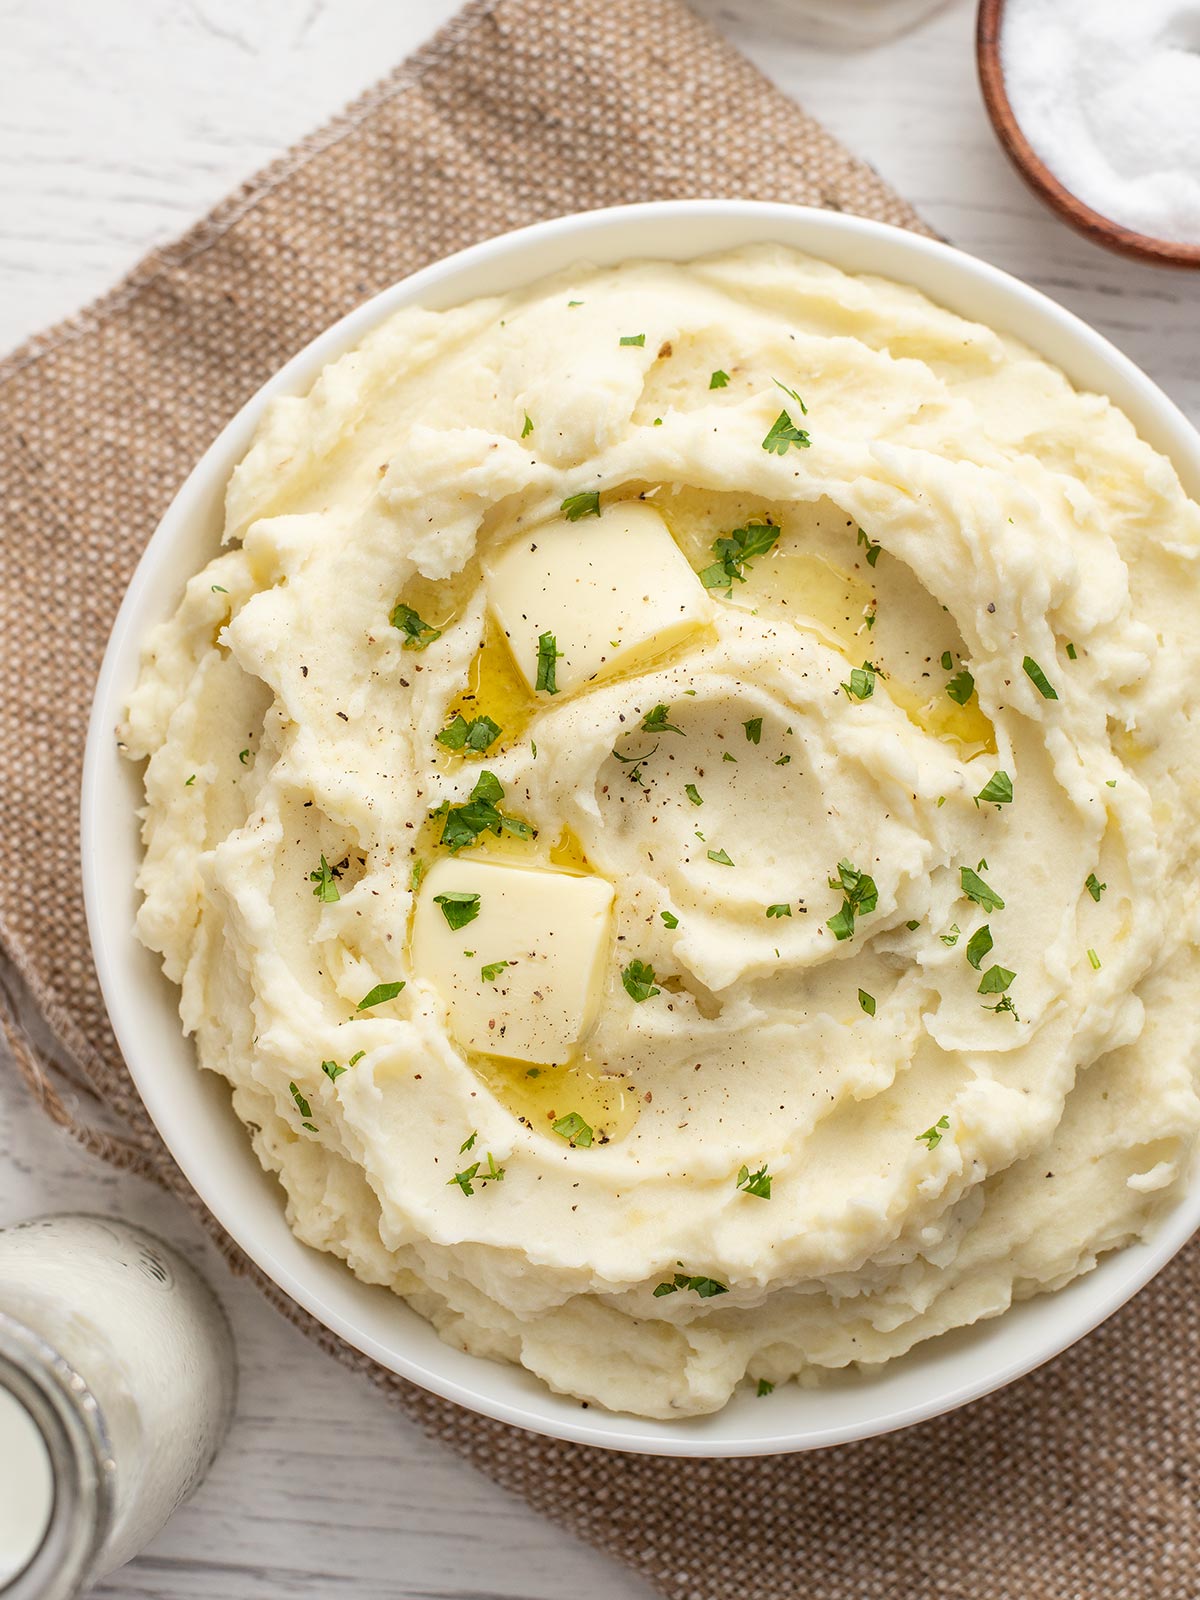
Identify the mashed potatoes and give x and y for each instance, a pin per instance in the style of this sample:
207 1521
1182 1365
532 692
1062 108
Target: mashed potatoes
674 813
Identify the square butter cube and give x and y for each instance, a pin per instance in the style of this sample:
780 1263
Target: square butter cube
613 590
554 931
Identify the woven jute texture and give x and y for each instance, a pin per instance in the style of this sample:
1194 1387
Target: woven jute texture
1079 1481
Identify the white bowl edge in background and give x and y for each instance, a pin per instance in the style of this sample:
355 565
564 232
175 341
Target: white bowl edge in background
191 1109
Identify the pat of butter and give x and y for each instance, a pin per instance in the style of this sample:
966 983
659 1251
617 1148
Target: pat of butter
553 929
612 589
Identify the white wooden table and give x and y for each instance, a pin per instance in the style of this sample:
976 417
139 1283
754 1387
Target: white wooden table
120 123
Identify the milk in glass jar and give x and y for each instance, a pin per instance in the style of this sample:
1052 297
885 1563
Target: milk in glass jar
116 1387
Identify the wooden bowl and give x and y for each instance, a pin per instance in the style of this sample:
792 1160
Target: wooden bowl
1039 177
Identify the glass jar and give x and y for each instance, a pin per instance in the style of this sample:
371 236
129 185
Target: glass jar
117 1380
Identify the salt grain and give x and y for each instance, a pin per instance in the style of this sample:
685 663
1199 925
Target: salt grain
1107 92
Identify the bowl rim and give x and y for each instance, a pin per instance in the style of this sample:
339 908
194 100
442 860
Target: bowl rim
1085 219
295 1269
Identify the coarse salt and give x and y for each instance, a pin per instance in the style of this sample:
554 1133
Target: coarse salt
1108 95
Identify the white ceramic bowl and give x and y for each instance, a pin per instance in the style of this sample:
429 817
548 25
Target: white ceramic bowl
191 1109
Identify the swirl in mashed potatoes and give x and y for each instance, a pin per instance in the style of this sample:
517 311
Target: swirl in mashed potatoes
674 811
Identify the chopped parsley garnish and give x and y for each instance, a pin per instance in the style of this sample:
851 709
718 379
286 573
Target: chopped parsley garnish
638 978
765 1386
720 857
978 946
947 661
782 434
961 687
1005 1003
478 734
867 1002
860 896
656 721
871 548
670 920
932 1137
547 656
380 993
1094 959
415 876
573 1129
326 882
952 937
783 761
792 395
468 1143
755 1183
586 504
975 889
356 1058
467 1179
1039 679
219 588
718 380
779 911
1072 654
243 756
458 908
480 814
998 789
1093 886
633 338
753 729
862 682
492 971
728 757
331 1070
302 1105
528 428
417 632
996 980
693 794
734 551
190 781
704 1287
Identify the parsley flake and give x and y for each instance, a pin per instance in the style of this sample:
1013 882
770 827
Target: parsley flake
783 434
1039 679
331 1070
547 656
458 908
867 1002
862 682
380 993
418 634
656 721
706 1288
574 1130
638 978
467 1179
998 789
718 380
792 395
932 1137
871 548
952 937
765 1386
586 504
779 911
734 551
670 920
528 428
302 1104
1072 653
479 734
961 687
492 971
693 794
1094 959
755 1183
978 946
326 881
975 889
860 897
1093 886
633 338
720 857
480 814
996 980
753 729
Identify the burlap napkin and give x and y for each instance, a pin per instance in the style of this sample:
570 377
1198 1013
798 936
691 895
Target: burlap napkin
1079 1481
